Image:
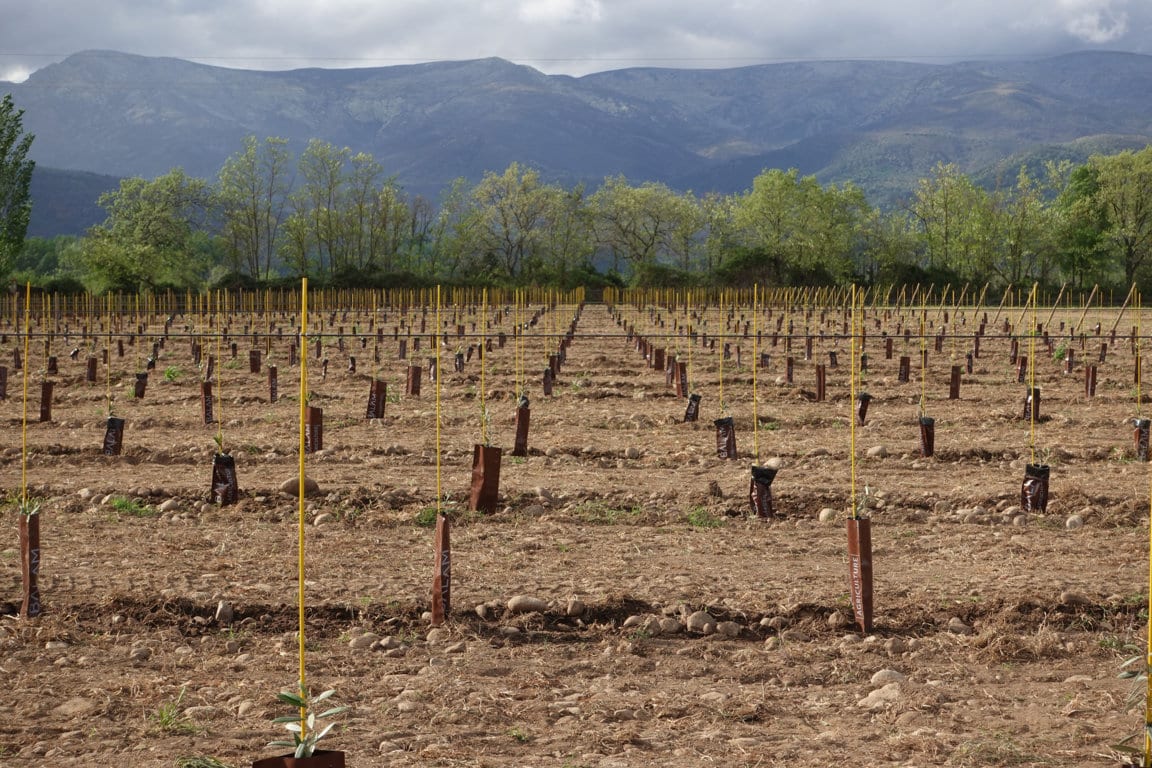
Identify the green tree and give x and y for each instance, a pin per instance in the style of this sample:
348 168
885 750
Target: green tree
505 225
1125 195
791 229
15 180
253 188
951 215
641 225
317 236
1083 250
156 234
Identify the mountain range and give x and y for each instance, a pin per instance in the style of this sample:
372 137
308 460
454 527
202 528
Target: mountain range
880 124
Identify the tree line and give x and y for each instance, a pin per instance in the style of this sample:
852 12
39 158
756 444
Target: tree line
338 217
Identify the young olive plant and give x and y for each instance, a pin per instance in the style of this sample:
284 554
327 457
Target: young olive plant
305 733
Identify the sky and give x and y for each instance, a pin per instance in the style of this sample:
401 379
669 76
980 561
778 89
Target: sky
564 36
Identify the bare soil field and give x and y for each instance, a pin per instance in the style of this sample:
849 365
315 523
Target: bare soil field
998 633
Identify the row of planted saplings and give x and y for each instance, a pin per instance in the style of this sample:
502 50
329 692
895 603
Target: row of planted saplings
486 458
761 477
1034 492
224 486
114 439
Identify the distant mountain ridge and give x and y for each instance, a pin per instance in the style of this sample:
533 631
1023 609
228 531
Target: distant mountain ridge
880 124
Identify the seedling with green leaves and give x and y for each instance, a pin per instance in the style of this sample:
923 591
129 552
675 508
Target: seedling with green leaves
303 725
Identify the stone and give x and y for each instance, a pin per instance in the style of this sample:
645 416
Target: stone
291 486
169 505
363 642
881 698
76 707
140 654
575 607
436 636
877 452
886 676
793 636
895 646
957 626
1074 598
527 604
670 626
1074 522
459 647
701 621
323 518
827 515
632 453
728 629
837 620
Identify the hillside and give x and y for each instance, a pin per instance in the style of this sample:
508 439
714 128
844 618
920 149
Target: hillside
879 124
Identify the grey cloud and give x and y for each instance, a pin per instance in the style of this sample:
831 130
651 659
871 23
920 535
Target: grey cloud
574 36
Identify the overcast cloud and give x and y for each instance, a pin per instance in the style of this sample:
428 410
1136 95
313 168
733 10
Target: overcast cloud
564 36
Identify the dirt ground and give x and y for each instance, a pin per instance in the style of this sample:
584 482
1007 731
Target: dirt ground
998 635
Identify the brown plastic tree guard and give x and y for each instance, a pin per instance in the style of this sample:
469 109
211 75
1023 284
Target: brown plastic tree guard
954 384
927 436
485 478
1032 404
377 396
1034 489
412 387
206 404
862 401
30 607
254 361
860 571
46 401
523 416
904 371
442 575
725 438
113 436
140 385
1090 381
1141 437
313 429
3 382
821 378
90 370
692 412
225 489
760 492
273 384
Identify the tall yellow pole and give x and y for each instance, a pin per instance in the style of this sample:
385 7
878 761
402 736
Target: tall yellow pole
300 494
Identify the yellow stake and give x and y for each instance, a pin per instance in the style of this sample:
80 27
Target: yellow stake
436 344
851 406
483 336
755 365
300 495
1032 379
24 422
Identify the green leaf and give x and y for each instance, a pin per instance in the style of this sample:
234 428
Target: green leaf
317 736
333 711
324 695
291 698
287 719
